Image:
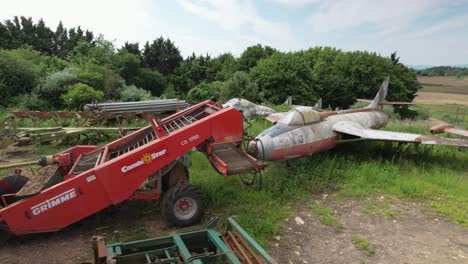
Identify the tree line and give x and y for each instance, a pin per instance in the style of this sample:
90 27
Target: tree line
444 71
45 69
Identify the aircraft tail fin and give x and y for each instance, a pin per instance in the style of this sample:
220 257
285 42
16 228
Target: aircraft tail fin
381 94
288 101
318 105
379 99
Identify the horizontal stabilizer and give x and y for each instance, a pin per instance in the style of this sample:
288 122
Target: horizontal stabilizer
439 126
385 102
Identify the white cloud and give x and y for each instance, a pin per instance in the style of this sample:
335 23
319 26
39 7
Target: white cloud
238 24
240 16
295 3
448 24
386 15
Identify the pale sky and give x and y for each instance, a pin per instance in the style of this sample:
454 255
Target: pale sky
431 32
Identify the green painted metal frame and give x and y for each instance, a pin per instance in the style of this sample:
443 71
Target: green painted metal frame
174 248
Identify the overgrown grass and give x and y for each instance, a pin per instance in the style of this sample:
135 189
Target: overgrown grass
363 244
379 208
326 216
435 176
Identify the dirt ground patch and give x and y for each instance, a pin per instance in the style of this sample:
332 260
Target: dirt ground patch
440 98
409 236
73 244
13 154
444 80
444 89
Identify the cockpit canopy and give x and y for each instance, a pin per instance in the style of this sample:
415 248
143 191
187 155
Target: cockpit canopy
300 116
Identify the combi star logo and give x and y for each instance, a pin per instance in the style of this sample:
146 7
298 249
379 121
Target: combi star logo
146 159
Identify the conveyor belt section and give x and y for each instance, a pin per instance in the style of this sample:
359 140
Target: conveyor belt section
229 159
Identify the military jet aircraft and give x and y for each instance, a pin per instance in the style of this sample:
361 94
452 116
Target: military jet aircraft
248 108
303 131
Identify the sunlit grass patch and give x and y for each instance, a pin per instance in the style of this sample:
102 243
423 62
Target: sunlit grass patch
363 244
326 216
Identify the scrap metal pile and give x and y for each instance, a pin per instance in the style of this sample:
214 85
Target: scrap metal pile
152 106
235 246
28 126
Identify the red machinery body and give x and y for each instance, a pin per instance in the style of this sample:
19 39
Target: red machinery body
97 177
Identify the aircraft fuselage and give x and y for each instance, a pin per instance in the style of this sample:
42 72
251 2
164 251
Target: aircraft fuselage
283 142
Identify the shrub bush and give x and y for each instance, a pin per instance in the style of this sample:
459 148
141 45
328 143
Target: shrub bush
204 91
239 85
80 94
55 85
133 93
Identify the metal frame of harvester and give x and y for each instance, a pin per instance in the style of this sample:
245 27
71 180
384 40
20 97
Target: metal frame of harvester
83 180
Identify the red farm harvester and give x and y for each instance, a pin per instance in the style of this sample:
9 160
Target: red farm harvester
83 180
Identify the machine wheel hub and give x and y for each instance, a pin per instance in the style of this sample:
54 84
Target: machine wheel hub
185 208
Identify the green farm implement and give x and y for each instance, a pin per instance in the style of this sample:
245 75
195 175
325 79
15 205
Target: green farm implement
235 246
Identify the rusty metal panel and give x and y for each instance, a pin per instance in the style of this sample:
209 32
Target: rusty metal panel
457 131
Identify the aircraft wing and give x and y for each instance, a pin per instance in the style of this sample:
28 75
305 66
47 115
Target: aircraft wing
356 130
457 131
275 117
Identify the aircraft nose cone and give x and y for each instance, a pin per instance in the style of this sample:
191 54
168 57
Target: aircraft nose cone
260 148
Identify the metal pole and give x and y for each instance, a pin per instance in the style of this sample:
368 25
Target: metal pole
19 164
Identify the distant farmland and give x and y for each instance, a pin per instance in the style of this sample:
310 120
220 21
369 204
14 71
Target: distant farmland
442 90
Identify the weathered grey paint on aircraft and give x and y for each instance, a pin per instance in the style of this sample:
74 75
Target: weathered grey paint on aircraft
304 131
248 108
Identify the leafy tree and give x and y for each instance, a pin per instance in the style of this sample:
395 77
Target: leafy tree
21 31
151 81
60 41
133 93
54 86
42 64
80 94
17 76
190 73
240 86
133 48
444 71
170 92
204 91
394 58
100 77
128 65
44 38
282 75
99 53
222 67
252 55
162 55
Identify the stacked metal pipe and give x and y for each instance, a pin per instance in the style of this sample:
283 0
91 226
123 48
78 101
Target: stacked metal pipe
155 106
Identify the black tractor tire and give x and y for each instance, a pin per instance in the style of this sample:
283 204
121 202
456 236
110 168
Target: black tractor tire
5 233
183 205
